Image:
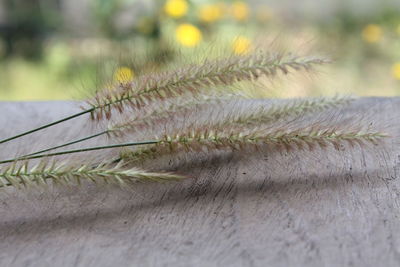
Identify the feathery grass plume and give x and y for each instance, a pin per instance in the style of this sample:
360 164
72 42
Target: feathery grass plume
194 79
264 114
218 137
298 107
21 175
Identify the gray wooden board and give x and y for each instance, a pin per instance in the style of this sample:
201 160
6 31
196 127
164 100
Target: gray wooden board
339 208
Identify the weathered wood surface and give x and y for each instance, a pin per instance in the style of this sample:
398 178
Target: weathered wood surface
334 209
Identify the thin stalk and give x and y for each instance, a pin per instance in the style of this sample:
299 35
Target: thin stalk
67 144
48 125
89 110
80 150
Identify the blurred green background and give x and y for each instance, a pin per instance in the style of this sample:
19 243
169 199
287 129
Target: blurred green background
67 49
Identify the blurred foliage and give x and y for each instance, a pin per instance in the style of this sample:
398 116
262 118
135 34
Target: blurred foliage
27 27
43 60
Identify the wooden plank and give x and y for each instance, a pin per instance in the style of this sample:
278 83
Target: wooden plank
291 209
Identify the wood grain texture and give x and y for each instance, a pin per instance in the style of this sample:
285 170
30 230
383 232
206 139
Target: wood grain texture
291 209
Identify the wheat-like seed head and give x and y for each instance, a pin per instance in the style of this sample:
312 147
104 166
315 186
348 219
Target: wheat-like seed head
194 79
219 138
275 112
262 115
21 175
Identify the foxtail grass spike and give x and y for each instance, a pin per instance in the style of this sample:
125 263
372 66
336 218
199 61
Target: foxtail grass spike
200 140
194 80
301 107
21 175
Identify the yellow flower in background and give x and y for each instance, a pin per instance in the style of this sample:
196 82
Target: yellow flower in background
241 45
372 33
398 29
188 35
210 13
240 10
123 75
396 71
176 8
